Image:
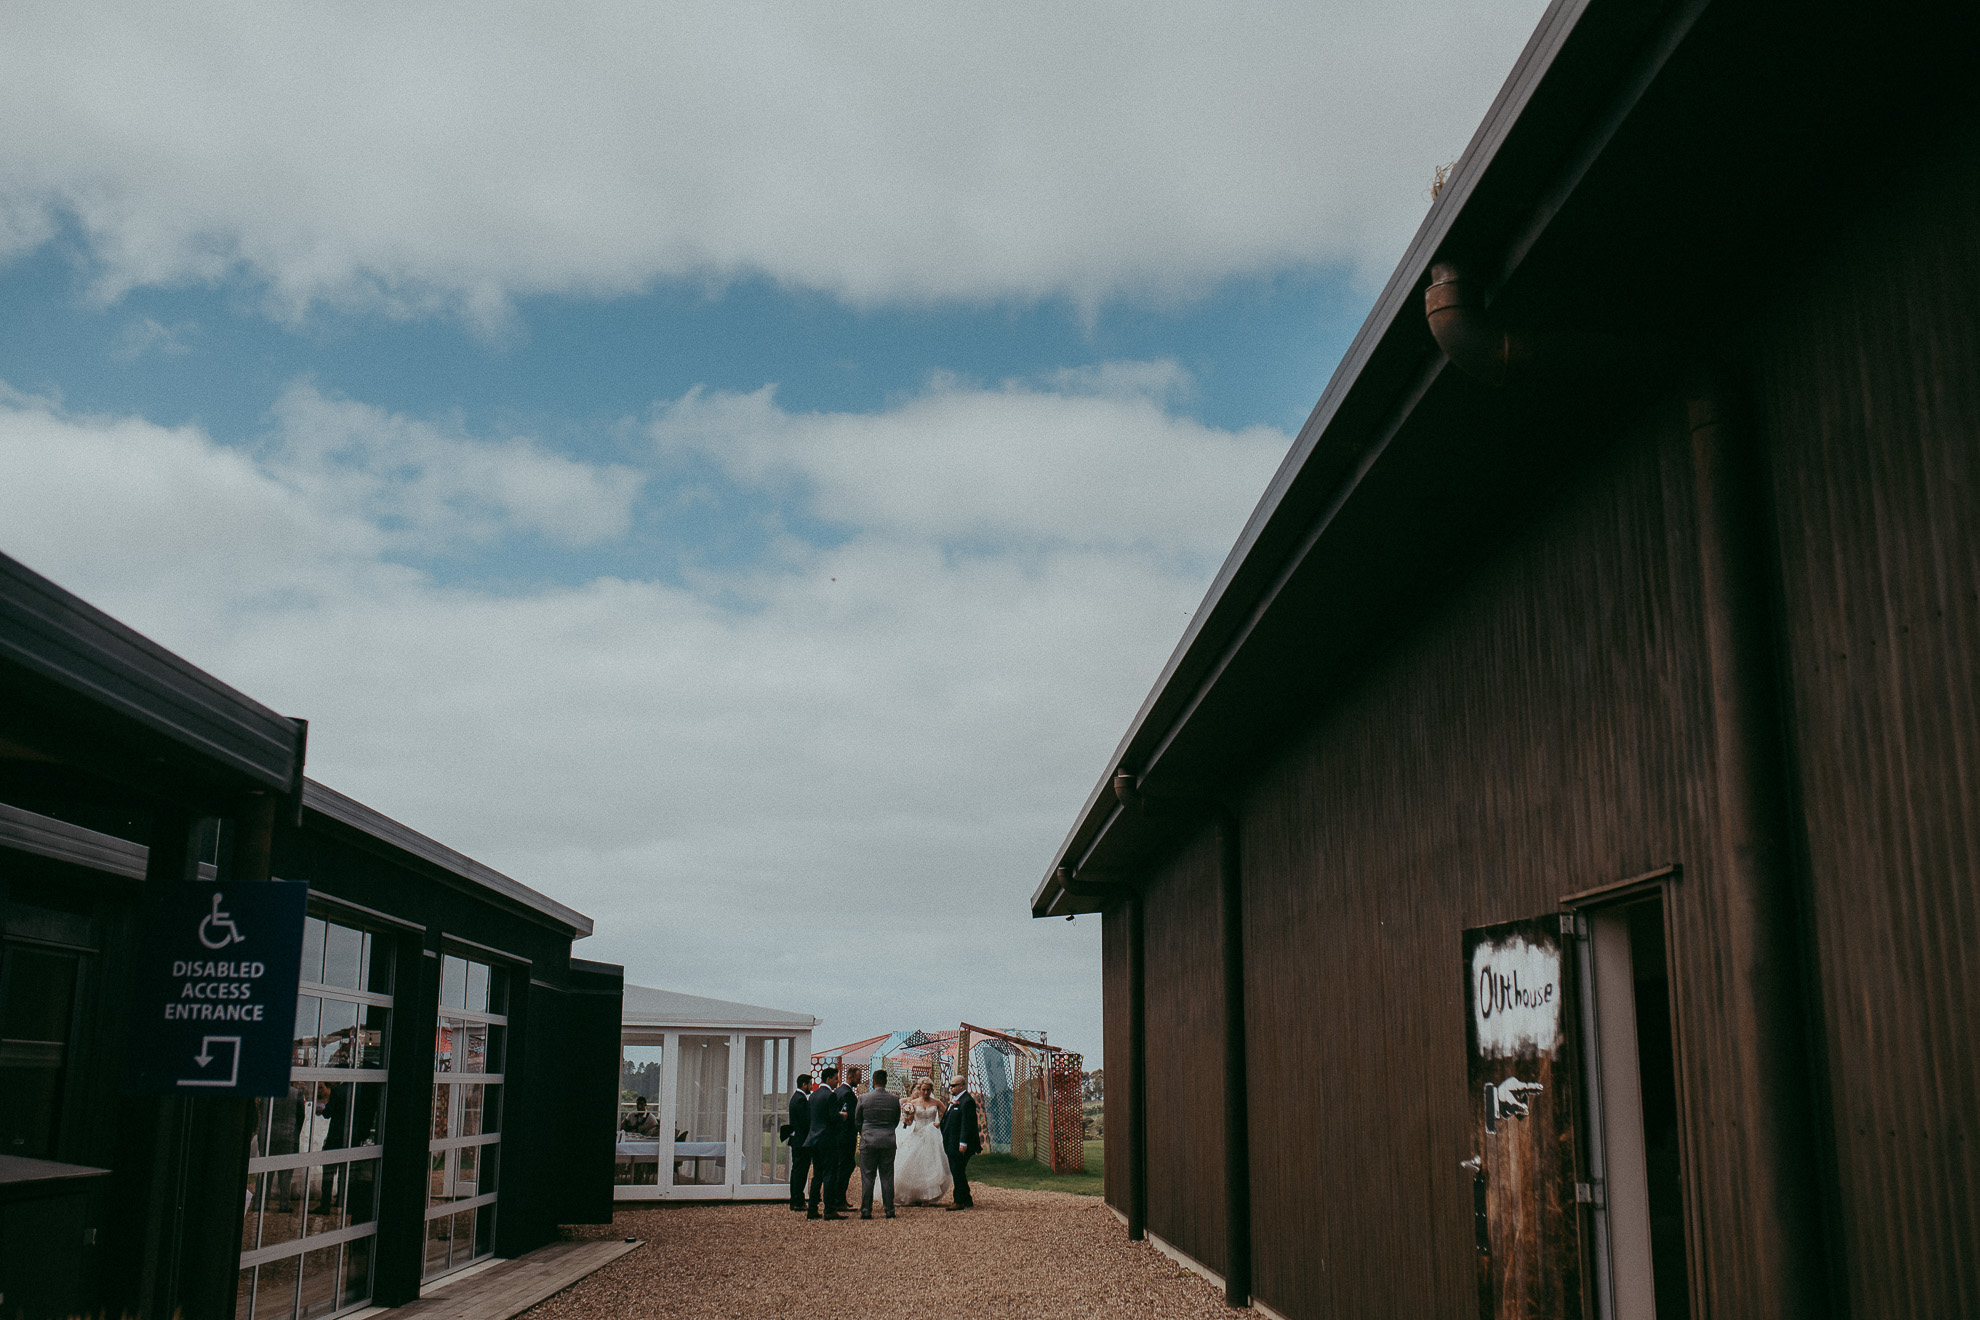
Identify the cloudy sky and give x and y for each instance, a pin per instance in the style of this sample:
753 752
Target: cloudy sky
736 468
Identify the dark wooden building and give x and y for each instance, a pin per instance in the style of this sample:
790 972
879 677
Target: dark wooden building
1543 880
453 1082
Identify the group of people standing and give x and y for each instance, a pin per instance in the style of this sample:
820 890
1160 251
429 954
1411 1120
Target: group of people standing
917 1149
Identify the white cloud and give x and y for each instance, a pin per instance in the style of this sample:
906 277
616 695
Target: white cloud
430 487
1098 461
453 155
833 795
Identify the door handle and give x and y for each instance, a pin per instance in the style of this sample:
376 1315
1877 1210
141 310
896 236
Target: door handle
1508 1099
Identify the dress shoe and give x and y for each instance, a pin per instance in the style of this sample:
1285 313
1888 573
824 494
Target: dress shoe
890 1214
813 1214
956 1207
831 1214
866 1214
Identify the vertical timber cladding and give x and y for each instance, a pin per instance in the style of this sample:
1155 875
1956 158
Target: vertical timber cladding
1185 1101
1870 394
1114 1029
1545 730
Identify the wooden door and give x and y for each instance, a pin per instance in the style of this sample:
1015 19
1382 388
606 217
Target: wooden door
1518 1020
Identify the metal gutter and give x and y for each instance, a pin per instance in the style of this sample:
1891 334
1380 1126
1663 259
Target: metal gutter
73 647
58 840
403 839
1388 369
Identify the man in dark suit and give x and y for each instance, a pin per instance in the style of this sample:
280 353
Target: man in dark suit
962 1137
822 1139
848 1140
795 1133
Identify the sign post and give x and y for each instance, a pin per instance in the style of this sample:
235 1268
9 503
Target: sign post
214 994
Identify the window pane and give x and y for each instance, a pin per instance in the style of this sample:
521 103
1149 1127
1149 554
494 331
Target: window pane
449 1045
475 1058
437 1185
471 1110
337 1041
251 1220
275 1290
244 1295
453 982
362 1202
357 1273
491 1156
443 1101
492 1053
326 1198
343 948
466 1165
498 990
491 1109
371 1039
288 1119
282 1207
438 1234
484 1230
378 963
320 1277
309 1014
367 1106
463 1237
312 953
477 987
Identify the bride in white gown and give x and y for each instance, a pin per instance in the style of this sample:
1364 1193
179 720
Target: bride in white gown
921 1166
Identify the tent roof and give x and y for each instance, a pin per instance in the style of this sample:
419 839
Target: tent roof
648 1007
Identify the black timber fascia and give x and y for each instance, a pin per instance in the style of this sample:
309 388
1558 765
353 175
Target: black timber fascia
87 670
405 846
1576 80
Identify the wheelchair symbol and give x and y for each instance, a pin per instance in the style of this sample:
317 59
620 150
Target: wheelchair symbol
219 921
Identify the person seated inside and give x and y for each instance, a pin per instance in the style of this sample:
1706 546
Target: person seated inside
639 1122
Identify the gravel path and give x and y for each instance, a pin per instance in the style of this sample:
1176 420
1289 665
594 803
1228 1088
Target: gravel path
1036 1255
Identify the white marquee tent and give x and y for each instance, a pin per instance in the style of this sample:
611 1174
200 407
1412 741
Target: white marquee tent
715 1077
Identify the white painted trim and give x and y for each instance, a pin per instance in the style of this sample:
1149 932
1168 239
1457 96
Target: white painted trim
1266 1311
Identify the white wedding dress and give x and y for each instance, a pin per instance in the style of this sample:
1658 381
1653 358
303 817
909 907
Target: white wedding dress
921 1166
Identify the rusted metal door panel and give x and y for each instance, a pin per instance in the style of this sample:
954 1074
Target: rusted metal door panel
1518 1016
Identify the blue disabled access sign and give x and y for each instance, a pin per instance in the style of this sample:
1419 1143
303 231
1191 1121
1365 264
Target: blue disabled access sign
215 989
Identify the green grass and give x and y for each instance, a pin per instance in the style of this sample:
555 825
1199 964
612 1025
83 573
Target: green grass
994 1170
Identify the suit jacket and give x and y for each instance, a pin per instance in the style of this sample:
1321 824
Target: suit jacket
848 1130
959 1125
879 1118
823 1118
800 1118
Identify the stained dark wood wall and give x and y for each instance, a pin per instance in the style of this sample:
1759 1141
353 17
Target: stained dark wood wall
1541 735
1185 1103
1870 387
1114 1028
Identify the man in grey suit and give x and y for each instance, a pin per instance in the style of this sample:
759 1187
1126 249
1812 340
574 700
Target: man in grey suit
879 1119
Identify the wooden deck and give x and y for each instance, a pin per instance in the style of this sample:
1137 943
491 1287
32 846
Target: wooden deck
510 1287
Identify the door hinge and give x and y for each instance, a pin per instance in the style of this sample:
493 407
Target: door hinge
1590 1193
1574 925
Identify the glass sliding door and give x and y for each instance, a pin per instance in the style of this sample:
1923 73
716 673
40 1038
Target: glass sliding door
641 1082
464 1141
310 1217
699 1113
768 1077
702 1091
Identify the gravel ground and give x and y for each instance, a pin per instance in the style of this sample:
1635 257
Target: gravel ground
1038 1255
